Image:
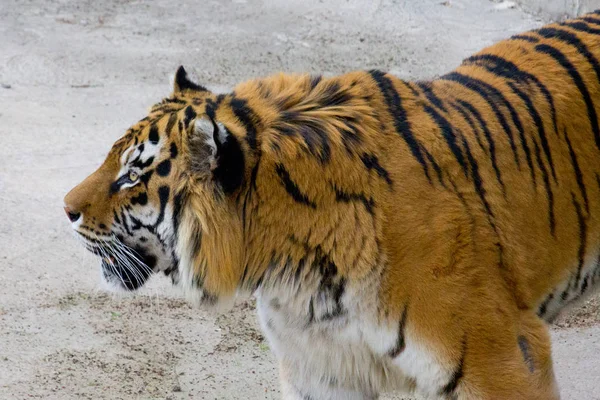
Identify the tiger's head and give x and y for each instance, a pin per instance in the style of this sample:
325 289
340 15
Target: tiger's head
176 164
271 185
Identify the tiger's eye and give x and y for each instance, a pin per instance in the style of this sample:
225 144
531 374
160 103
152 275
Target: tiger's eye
133 176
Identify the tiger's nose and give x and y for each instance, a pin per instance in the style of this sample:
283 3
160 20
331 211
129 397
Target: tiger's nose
72 215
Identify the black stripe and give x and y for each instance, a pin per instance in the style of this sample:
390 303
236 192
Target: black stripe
346 197
507 69
477 182
189 115
585 284
467 117
292 188
409 86
578 173
449 136
125 222
591 20
312 132
164 168
210 109
247 117
251 188
526 351
492 95
171 123
163 197
209 298
578 80
466 108
142 165
401 341
92 240
351 137
565 294
582 27
436 167
173 150
145 178
178 203
581 221
173 100
141 199
544 306
401 123
371 162
538 122
572 39
314 81
427 89
547 186
332 95
153 135
449 390
116 217
526 38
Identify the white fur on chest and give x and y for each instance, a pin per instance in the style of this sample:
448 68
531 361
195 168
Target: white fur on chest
345 355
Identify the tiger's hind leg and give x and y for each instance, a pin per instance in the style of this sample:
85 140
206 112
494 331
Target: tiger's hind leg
508 364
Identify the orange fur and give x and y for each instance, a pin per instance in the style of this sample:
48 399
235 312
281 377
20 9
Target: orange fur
468 215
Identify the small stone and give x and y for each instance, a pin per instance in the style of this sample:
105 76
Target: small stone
5 85
177 388
505 5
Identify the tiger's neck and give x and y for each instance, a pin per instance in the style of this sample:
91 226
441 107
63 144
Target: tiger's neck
309 206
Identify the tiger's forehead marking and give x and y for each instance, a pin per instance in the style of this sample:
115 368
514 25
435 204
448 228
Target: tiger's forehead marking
125 155
143 141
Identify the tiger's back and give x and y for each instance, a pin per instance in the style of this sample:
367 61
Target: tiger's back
513 135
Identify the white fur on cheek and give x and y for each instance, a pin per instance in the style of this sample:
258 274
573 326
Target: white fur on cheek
205 127
150 150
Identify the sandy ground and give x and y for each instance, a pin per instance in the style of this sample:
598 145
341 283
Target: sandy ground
75 74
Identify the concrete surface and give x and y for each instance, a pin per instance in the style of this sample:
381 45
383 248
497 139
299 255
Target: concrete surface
75 73
559 9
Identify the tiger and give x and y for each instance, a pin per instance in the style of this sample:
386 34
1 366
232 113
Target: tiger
397 235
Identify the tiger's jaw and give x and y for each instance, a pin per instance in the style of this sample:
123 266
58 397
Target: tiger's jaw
126 274
127 267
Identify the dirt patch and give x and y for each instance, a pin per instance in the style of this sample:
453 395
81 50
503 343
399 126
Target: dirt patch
584 316
138 358
239 328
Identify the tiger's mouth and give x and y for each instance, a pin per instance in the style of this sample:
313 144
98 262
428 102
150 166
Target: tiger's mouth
122 266
130 274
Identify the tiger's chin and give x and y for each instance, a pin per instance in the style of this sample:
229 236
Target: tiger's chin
119 277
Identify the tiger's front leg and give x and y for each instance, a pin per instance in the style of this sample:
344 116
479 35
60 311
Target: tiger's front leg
319 359
326 389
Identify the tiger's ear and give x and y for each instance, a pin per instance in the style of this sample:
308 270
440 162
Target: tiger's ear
182 82
214 150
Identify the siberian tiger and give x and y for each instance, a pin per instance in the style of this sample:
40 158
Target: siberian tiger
413 235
